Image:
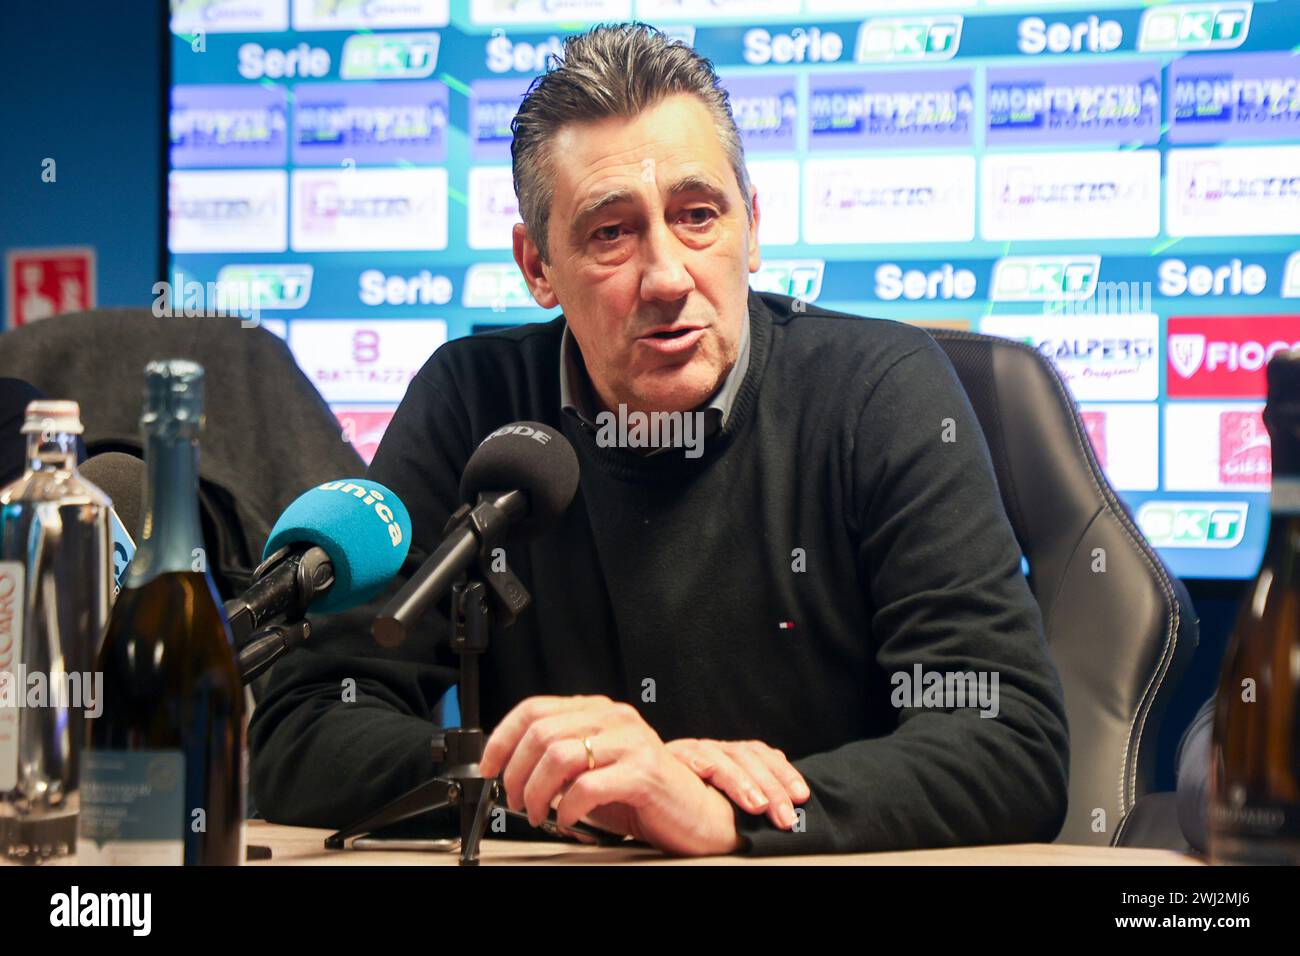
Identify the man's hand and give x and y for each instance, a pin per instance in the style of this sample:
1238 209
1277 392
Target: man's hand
636 785
756 776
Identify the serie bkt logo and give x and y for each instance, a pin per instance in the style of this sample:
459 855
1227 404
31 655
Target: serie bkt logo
913 38
1193 524
1221 357
1195 26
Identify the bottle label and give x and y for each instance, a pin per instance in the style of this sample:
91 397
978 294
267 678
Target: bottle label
12 594
123 551
1244 819
1284 498
132 808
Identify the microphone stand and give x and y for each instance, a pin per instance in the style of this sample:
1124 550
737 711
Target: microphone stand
482 596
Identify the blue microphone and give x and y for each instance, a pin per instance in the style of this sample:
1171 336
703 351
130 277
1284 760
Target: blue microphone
336 546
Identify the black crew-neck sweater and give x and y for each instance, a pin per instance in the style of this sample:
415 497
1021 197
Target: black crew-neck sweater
843 528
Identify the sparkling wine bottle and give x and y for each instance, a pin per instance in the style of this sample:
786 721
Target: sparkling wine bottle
1255 760
164 772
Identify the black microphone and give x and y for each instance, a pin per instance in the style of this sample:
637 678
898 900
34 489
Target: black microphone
121 477
523 476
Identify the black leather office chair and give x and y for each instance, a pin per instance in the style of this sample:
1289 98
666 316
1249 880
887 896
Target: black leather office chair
269 435
1121 637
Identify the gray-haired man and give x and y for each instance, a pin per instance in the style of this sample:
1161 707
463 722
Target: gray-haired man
716 638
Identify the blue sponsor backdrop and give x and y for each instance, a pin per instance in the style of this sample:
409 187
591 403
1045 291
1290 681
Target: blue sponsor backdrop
439 89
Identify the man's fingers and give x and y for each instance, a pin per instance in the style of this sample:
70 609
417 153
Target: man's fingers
780 808
562 762
614 783
791 779
569 727
503 741
712 763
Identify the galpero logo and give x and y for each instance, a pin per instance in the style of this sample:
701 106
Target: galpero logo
1195 26
389 56
887 39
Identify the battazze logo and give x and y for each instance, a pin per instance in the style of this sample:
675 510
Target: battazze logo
946 689
369 496
74 909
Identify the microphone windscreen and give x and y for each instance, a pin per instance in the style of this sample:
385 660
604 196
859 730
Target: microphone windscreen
528 457
121 477
363 527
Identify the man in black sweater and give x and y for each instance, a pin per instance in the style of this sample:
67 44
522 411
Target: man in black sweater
811 597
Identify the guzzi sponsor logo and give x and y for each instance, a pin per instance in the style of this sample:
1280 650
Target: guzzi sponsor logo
1225 357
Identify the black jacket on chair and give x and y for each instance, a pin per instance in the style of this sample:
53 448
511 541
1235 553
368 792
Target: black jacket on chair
269 436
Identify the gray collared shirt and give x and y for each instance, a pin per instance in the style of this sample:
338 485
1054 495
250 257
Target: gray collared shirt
577 396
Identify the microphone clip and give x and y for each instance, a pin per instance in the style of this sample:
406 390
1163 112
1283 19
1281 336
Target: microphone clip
490 524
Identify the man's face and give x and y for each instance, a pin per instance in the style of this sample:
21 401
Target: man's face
650 251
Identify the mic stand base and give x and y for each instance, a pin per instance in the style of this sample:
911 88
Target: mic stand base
475 601
460 786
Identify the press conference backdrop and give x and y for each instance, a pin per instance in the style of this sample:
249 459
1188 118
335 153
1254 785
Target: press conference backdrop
1117 184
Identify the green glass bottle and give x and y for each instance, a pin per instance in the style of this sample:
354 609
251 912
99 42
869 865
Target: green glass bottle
1255 757
163 778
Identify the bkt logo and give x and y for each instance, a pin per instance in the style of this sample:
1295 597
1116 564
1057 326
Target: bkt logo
800 278
1195 26
913 38
389 56
1291 277
1045 278
1193 524
1225 357
496 286
270 286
